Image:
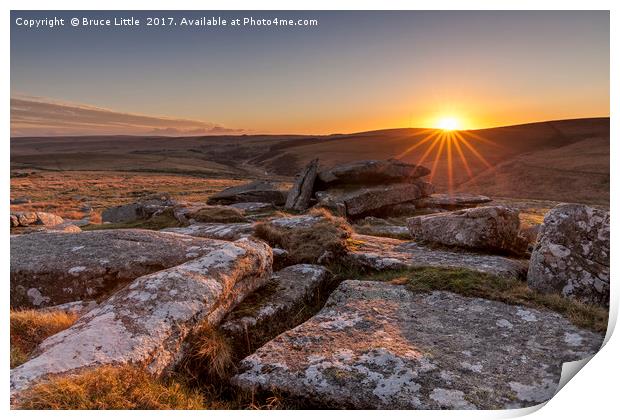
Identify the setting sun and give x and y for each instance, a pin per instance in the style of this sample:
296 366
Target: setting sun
448 123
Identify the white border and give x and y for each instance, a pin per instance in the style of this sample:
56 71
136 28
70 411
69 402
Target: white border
591 395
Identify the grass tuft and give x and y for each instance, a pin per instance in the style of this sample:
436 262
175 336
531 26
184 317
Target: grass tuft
208 357
110 388
30 327
307 244
511 291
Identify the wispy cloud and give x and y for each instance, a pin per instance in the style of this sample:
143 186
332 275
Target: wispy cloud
35 116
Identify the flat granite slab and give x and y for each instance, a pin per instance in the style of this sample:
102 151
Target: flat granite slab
381 253
380 346
223 231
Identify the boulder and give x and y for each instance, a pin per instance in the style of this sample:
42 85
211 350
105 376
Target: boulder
375 199
65 227
146 322
20 200
375 253
380 227
331 202
368 172
278 306
224 231
182 210
122 214
53 268
257 191
141 210
380 346
299 196
451 201
571 256
400 209
48 219
40 218
26 218
492 229
251 207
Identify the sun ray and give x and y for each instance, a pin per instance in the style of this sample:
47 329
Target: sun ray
418 144
459 150
473 150
451 139
482 139
437 156
429 149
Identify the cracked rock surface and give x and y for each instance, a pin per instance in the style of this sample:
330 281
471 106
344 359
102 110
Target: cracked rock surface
224 231
490 228
387 254
52 268
277 306
300 194
376 345
146 322
571 255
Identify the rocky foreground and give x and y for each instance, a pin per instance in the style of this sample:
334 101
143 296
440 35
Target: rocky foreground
315 311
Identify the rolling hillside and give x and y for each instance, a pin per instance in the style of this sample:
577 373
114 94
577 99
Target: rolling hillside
565 160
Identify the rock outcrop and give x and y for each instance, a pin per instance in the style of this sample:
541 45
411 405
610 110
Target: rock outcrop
492 229
374 199
374 226
146 322
371 187
299 196
38 218
276 307
53 268
381 254
368 172
571 255
224 231
140 210
257 191
65 227
451 201
379 346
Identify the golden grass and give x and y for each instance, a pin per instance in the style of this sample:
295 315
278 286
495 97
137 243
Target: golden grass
208 357
307 244
66 192
29 328
218 214
110 388
511 291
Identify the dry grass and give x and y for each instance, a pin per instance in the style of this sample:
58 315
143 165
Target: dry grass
208 357
307 244
29 328
66 192
218 214
511 291
110 388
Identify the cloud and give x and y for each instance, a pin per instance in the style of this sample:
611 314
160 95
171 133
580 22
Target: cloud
35 116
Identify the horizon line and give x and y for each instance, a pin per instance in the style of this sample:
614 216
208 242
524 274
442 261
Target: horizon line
313 135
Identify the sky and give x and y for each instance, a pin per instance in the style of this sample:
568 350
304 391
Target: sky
354 71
